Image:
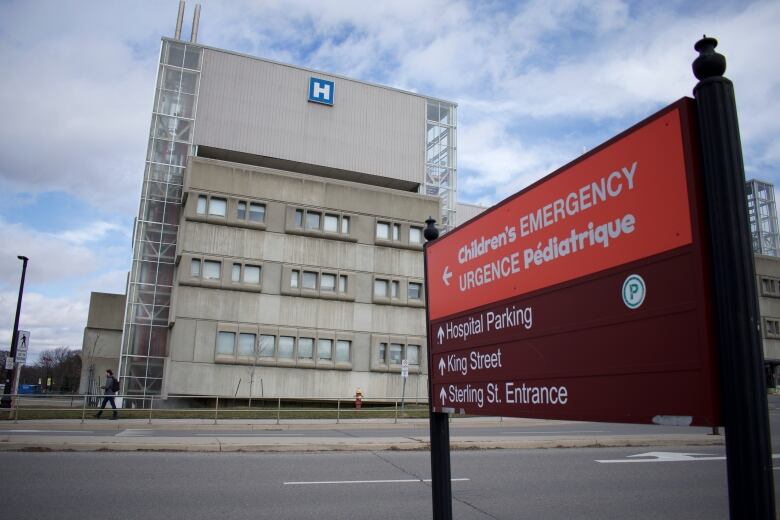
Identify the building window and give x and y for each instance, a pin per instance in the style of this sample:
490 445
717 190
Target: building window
772 327
309 280
217 207
246 345
383 230
415 290
394 287
769 287
252 274
343 283
267 345
395 353
331 223
312 220
201 209
345 225
396 231
241 210
256 212
298 218
328 282
286 347
342 351
294 278
413 355
305 348
325 349
380 288
226 343
382 357
211 269
415 235
195 267
235 273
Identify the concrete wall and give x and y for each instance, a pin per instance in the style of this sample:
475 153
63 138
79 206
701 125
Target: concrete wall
768 275
201 308
370 129
102 339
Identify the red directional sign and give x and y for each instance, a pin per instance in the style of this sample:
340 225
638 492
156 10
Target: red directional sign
585 296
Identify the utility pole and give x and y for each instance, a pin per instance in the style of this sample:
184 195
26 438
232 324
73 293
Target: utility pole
9 374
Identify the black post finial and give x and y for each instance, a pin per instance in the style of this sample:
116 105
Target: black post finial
431 231
709 63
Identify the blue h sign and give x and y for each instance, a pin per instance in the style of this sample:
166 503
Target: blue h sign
321 91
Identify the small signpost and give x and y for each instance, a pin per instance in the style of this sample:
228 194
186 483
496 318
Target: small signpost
592 295
405 376
22 345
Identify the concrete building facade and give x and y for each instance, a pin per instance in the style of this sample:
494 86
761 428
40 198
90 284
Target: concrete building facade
102 339
278 245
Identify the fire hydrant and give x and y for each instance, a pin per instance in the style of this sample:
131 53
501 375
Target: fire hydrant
358 399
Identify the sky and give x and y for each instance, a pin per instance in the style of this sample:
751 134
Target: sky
537 84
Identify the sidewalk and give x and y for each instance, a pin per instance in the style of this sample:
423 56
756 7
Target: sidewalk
267 436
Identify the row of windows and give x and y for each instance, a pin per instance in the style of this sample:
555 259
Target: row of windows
317 221
772 327
315 280
770 287
247 346
395 353
218 207
308 221
212 270
385 290
391 289
391 231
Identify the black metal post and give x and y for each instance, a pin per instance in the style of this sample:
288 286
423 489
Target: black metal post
9 374
743 387
441 480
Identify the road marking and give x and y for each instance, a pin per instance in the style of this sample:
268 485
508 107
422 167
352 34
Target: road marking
47 431
388 481
249 435
663 456
560 431
133 433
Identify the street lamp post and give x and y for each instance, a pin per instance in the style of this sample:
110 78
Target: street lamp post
9 373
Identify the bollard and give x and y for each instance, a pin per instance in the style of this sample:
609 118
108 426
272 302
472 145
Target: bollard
216 410
151 406
395 421
278 409
338 411
83 408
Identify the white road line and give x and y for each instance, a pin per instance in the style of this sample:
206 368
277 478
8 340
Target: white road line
46 431
681 459
396 481
249 435
559 431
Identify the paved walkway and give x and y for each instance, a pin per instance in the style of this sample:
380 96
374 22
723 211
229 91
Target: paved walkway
309 435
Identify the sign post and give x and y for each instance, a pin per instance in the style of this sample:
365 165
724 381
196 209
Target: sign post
441 483
745 413
404 376
9 373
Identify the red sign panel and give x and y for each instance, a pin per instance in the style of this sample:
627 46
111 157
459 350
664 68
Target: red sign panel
584 296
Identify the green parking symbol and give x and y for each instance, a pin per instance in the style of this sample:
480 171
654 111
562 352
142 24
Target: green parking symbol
634 291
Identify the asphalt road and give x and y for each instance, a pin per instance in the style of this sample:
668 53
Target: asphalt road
505 484
674 482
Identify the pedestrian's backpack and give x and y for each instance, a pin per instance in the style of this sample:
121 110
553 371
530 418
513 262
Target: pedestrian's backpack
115 385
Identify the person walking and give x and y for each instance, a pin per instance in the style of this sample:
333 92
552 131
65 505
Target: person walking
108 397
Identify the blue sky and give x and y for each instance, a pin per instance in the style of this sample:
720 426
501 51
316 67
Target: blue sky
537 83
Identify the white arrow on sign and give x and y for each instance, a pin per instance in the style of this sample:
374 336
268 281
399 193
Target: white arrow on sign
442 365
446 275
440 334
443 396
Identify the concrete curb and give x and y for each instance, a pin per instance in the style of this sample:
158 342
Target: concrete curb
271 445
